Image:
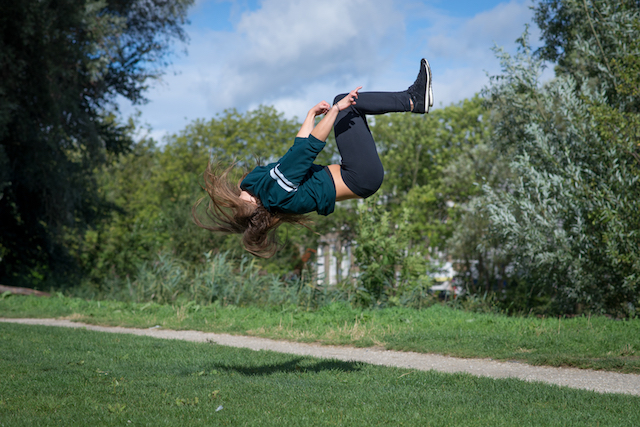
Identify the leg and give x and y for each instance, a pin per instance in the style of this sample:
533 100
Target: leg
417 98
380 102
361 168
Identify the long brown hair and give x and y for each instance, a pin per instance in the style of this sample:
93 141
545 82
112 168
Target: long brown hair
228 213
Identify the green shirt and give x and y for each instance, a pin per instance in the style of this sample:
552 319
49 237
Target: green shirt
294 184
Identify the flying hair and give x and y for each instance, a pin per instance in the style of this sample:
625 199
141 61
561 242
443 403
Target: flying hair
227 213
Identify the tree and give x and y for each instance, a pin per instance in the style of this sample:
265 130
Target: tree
62 63
155 188
417 152
480 261
583 38
569 215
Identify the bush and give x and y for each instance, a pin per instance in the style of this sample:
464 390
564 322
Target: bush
389 272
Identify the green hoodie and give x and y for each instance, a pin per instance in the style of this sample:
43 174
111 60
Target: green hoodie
294 184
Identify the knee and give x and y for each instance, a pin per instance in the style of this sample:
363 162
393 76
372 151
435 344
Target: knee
374 177
364 180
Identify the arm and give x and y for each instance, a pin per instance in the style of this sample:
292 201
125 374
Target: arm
307 125
326 124
294 165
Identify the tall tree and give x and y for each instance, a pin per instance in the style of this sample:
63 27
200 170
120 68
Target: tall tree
62 63
583 38
570 215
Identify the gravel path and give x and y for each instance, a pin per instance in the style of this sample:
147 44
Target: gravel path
600 381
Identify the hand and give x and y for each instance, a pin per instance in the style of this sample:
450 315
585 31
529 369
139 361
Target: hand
321 108
349 100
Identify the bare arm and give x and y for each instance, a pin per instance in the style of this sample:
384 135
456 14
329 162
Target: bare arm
307 125
326 124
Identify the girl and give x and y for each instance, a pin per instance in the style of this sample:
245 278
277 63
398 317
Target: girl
282 192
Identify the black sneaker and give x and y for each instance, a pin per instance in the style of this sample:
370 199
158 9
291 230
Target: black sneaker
420 91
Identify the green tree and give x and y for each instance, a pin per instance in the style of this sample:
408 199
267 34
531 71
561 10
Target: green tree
581 37
479 259
155 188
417 153
569 215
62 63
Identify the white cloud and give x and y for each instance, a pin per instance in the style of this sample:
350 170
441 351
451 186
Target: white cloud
471 40
460 50
454 85
286 46
294 53
288 53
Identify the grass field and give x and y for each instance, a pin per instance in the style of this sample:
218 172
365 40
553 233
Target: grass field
585 342
57 376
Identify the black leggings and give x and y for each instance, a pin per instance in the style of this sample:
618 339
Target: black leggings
361 168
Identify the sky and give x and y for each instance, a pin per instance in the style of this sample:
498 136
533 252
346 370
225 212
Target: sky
292 54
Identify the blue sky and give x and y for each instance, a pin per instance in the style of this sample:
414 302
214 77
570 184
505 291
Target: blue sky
294 53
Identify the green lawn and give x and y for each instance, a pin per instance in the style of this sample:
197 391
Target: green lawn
586 342
58 376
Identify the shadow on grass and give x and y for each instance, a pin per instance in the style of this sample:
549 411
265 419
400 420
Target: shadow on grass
297 365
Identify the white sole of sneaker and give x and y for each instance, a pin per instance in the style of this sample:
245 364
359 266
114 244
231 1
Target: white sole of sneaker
428 96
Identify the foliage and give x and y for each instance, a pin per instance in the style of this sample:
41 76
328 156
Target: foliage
223 279
582 37
479 260
387 267
62 65
219 280
155 188
417 152
569 216
436 166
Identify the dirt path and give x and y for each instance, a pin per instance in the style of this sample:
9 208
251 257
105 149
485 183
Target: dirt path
600 381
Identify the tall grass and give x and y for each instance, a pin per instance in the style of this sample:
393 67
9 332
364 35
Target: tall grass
220 279
223 280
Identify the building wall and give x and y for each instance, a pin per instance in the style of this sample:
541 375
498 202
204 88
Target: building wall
334 260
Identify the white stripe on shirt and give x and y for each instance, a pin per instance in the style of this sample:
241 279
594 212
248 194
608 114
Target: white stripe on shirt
282 181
